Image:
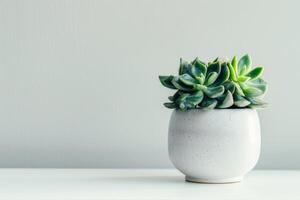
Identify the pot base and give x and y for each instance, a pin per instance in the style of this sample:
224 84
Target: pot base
218 181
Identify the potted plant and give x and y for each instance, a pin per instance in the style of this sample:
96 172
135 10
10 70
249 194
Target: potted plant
214 131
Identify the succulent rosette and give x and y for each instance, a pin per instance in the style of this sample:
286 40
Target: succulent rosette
217 84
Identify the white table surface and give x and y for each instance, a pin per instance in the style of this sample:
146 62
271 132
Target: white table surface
141 184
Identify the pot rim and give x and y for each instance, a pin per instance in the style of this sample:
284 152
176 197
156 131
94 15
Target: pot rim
216 109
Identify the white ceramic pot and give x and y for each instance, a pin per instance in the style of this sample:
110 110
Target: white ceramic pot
215 146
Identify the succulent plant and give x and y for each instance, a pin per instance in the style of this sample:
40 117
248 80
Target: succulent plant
249 87
218 84
198 85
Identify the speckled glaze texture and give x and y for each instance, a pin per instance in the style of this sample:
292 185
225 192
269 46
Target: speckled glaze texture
215 146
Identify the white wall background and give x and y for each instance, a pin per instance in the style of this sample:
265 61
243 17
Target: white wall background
79 86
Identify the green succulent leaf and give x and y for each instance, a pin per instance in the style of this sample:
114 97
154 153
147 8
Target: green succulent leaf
214 92
181 86
240 101
212 76
223 76
189 101
167 81
243 78
230 86
257 102
244 64
198 69
234 64
233 74
255 73
216 59
251 91
195 98
187 80
243 70
226 100
238 89
214 67
171 98
197 60
201 79
184 67
174 97
181 101
170 105
208 103
259 84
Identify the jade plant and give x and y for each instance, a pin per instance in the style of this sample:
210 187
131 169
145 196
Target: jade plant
216 84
